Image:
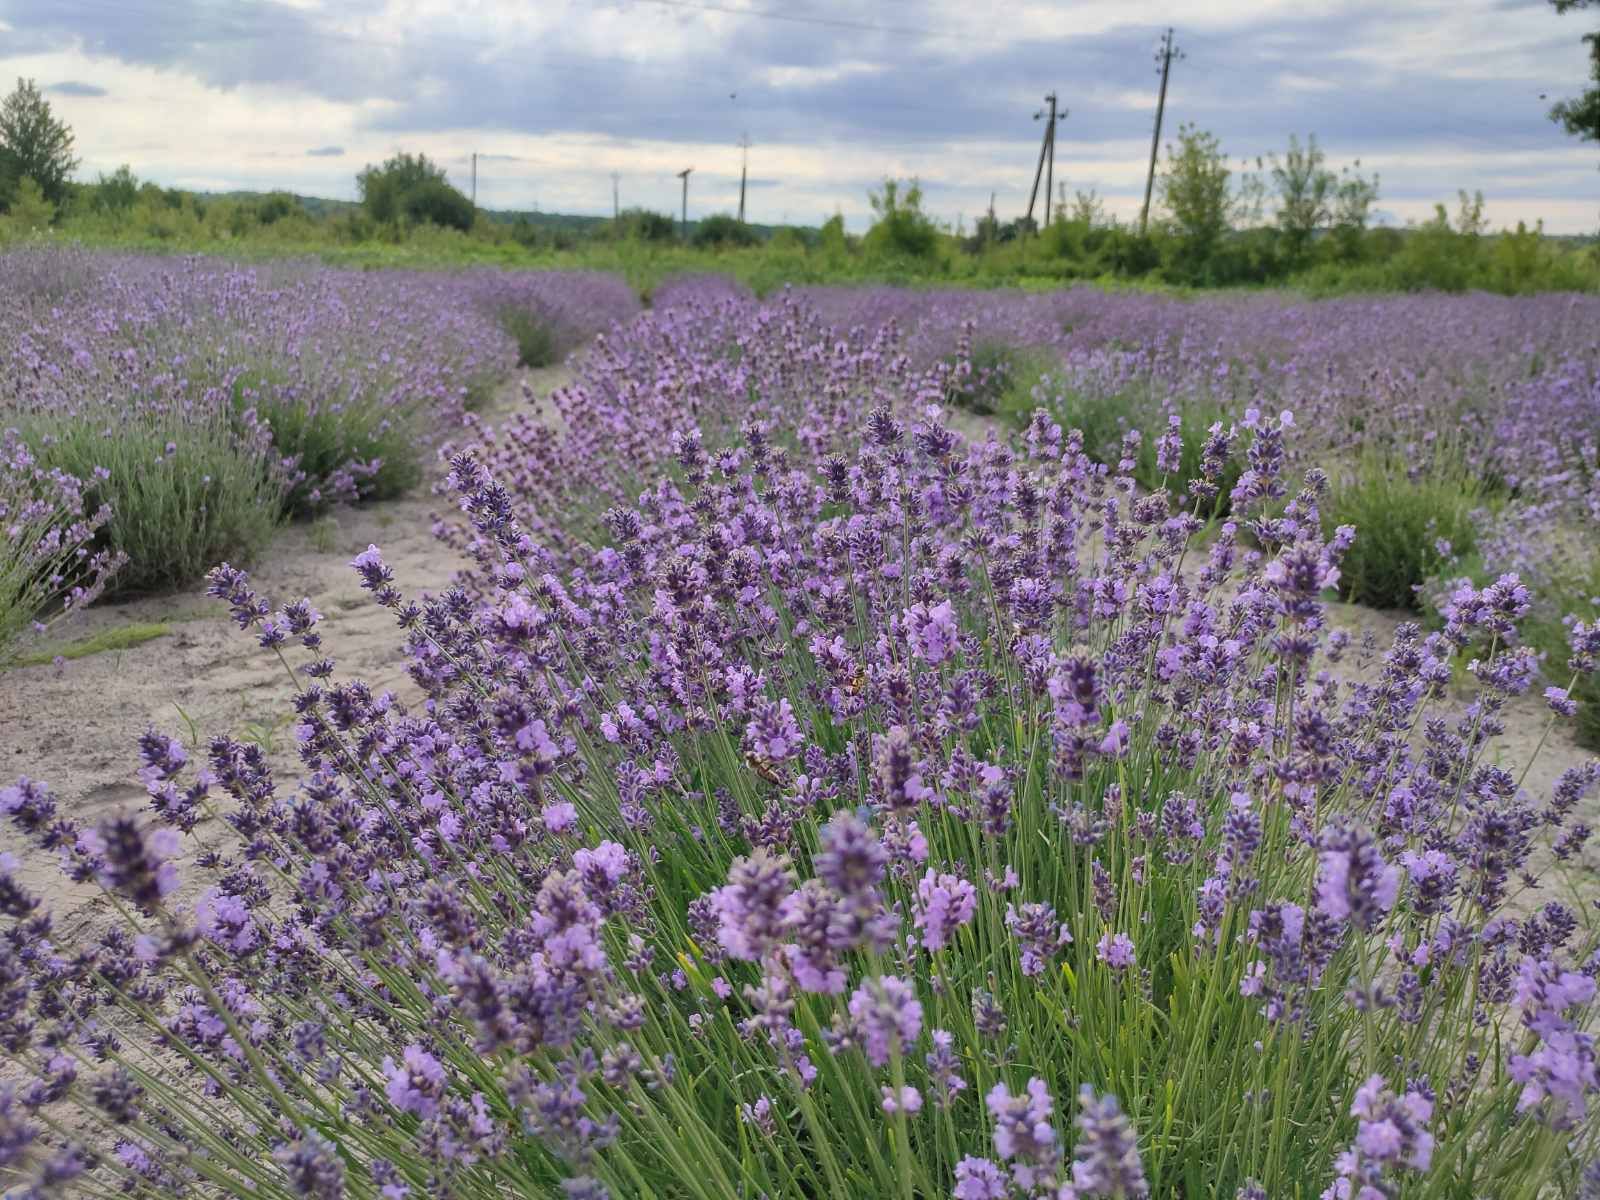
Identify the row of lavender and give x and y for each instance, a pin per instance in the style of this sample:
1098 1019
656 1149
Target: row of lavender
1513 384
1461 434
808 801
162 414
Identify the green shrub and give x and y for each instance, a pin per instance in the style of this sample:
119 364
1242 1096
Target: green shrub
642 225
435 202
1409 521
536 343
721 230
184 495
1002 378
902 229
1548 635
323 437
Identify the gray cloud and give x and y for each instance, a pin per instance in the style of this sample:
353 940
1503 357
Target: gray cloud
326 152
1335 70
71 87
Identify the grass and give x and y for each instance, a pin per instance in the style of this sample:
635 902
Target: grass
1410 523
184 495
536 341
122 637
1573 592
1105 418
1002 380
324 437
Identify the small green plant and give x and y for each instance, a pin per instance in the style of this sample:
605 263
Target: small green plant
323 438
184 495
536 343
324 534
1409 521
122 637
191 726
720 230
264 731
1549 636
998 372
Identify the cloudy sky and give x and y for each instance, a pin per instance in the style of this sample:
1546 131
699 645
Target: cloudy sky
557 95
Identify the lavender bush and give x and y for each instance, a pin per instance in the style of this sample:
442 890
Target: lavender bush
835 807
203 400
48 567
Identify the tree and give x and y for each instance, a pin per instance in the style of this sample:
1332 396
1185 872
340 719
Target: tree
116 192
413 188
902 227
723 230
1580 116
1306 189
1353 199
1086 209
30 211
34 143
1196 193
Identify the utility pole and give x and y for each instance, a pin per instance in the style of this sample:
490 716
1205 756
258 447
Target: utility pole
1047 156
616 203
684 175
744 166
474 181
1164 56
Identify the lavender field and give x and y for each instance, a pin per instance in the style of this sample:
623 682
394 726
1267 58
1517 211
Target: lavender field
853 743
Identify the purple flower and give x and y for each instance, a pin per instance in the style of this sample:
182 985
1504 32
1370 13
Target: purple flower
852 860
773 734
1354 882
1116 951
1040 937
225 920
1560 702
944 903
980 1179
887 1017
313 1167
417 1086
934 634
1023 1133
749 907
1106 1159
135 863
907 1100
943 1064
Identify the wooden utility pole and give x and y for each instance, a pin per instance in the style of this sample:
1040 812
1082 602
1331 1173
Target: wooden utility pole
1164 56
474 181
684 175
616 202
1047 155
744 166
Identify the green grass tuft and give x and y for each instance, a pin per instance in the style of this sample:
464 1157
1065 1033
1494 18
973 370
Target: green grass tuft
536 341
1401 516
122 637
175 512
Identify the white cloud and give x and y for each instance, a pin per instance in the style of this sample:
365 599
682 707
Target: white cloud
643 89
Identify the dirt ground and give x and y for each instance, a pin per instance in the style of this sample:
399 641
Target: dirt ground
76 727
